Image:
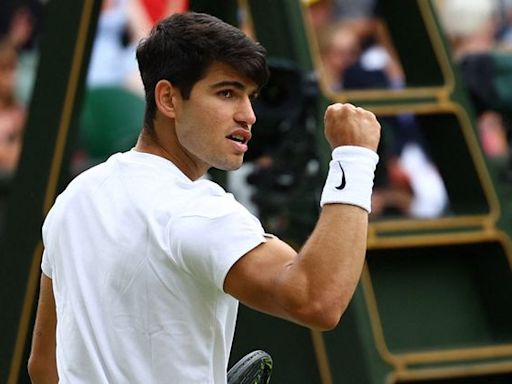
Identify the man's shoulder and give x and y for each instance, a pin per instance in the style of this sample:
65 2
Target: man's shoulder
87 178
208 199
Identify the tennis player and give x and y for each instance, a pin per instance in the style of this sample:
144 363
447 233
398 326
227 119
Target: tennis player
145 262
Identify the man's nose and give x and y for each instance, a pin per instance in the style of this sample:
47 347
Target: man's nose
245 115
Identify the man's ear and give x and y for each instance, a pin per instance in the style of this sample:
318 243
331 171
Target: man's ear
166 97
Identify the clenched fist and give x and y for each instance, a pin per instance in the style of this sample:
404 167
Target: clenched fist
346 124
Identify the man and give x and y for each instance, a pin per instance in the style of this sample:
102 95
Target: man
145 262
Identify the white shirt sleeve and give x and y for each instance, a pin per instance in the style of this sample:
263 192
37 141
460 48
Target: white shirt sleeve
209 238
46 263
46 266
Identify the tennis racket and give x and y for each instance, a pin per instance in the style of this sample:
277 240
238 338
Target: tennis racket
253 368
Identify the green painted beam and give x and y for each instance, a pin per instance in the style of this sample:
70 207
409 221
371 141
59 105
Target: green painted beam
64 52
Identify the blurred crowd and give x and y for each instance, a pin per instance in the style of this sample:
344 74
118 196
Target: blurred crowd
114 96
122 23
19 31
20 26
356 53
480 35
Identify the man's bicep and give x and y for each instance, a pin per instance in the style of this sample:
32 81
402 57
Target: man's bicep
255 278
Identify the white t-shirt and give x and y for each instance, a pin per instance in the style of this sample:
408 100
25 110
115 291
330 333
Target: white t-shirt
137 254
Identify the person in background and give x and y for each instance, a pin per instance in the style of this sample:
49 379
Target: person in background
12 112
121 25
476 30
339 49
357 54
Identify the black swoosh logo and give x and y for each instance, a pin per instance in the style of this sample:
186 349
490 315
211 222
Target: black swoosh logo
343 181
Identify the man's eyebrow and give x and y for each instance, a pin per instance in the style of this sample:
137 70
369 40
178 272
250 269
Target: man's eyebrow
228 83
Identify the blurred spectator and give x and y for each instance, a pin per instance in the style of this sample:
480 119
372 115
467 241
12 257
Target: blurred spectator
357 54
339 50
493 137
21 27
21 24
347 64
12 114
21 21
477 30
470 25
414 187
114 89
121 24
359 19
504 14
407 182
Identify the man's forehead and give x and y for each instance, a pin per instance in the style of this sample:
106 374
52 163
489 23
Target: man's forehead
221 74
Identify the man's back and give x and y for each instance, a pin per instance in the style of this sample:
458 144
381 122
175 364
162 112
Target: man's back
127 301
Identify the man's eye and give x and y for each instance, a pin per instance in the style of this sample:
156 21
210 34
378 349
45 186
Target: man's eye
226 93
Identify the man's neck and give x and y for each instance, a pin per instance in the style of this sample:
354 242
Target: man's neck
150 141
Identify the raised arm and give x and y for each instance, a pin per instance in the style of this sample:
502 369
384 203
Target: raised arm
313 287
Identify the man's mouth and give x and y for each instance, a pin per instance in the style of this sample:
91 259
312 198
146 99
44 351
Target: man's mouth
238 138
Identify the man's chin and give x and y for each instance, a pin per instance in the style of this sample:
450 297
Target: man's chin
232 166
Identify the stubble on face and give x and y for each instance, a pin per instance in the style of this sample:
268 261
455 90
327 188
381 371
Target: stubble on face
212 124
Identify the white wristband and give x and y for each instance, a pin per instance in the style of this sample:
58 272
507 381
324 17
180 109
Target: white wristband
350 177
